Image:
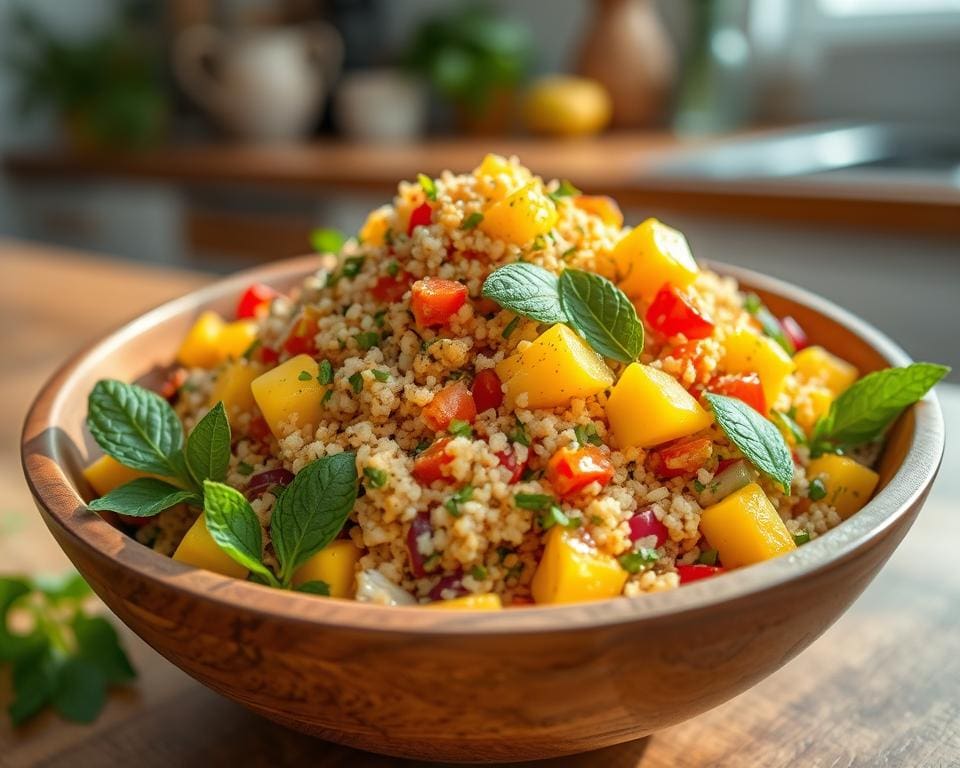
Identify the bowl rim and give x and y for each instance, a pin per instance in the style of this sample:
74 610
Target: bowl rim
65 508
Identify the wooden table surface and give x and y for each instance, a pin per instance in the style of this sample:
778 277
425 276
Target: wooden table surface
880 689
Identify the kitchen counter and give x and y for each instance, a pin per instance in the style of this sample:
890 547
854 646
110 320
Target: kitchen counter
877 689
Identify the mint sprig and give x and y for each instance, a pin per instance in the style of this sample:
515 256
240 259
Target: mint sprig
67 659
757 438
527 290
864 411
144 497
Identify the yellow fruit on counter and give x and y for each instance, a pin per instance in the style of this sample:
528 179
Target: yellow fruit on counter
488 602
849 484
562 105
571 571
335 564
745 528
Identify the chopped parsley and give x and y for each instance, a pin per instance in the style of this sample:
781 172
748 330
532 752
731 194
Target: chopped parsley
552 516
539 243
352 266
378 317
421 446
817 490
367 339
641 560
531 474
381 375
801 538
479 572
708 557
536 502
393 268
356 381
472 221
325 374
249 351
698 486
304 376
326 397
453 503
511 327
587 434
244 469
376 478
460 428
519 435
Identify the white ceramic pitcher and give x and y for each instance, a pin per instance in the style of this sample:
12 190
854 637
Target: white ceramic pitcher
262 85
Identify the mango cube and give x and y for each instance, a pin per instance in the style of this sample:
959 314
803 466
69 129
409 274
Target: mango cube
201 347
521 215
374 230
817 404
106 473
236 338
749 352
849 484
648 407
555 368
487 602
507 175
291 389
649 256
232 387
335 564
571 571
816 364
745 528
200 550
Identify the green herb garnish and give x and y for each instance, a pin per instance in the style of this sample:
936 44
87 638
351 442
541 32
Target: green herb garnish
708 557
367 340
235 527
453 503
768 322
429 186
587 434
304 376
478 572
314 588
539 243
326 397
325 240
325 373
801 538
393 268
352 266
244 468
756 437
602 314
376 478
641 560
520 435
381 376
536 502
510 327
817 490
552 516
460 428
786 422
356 381
566 189
472 221
527 290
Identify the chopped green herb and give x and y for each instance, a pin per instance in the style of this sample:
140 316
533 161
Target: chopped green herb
388 236
698 486
429 186
421 446
708 557
376 478
479 572
529 474
367 339
325 374
472 221
596 519
393 268
587 434
801 538
539 243
352 266
244 469
566 189
356 381
817 490
453 503
635 562
519 435
511 327
455 375
249 351
304 376
378 317
460 428
326 397
326 240
503 552
554 516
537 502
574 522
381 375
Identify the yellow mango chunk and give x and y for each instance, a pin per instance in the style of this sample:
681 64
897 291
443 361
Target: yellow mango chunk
745 528
232 387
374 230
521 215
648 407
816 364
488 602
201 347
749 352
235 338
506 175
571 571
200 550
817 404
335 564
849 484
649 256
555 368
290 388
106 473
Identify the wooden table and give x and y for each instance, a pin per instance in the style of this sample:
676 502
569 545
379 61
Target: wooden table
880 688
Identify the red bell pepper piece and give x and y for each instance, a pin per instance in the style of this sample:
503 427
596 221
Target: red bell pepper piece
302 338
689 573
390 289
428 465
420 217
743 386
570 470
671 314
255 301
434 301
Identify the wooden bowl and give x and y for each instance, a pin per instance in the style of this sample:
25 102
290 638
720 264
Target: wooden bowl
520 684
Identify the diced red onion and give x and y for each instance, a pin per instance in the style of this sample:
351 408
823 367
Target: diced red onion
262 482
448 584
793 331
419 527
644 523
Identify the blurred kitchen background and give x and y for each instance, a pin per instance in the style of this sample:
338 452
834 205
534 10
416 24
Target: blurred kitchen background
816 140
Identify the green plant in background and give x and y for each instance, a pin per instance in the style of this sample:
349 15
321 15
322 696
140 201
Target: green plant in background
471 54
58 654
106 88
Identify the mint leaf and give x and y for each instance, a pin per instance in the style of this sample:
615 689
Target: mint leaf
326 240
136 427
34 681
312 510
208 447
756 437
314 588
80 691
602 314
99 644
526 289
786 421
235 527
864 411
143 497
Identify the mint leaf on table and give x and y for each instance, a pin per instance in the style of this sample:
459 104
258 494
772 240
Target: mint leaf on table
34 681
99 644
756 437
602 314
864 411
314 588
80 691
143 497
312 510
208 447
526 289
136 427
235 527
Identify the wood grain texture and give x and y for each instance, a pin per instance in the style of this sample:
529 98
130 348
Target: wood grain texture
614 164
865 694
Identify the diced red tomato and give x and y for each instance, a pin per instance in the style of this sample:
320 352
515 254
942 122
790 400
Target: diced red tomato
671 314
644 523
302 338
435 301
420 217
428 465
453 402
601 205
268 355
743 386
508 460
570 470
486 390
173 382
390 289
255 301
419 526
689 573
681 458
794 331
